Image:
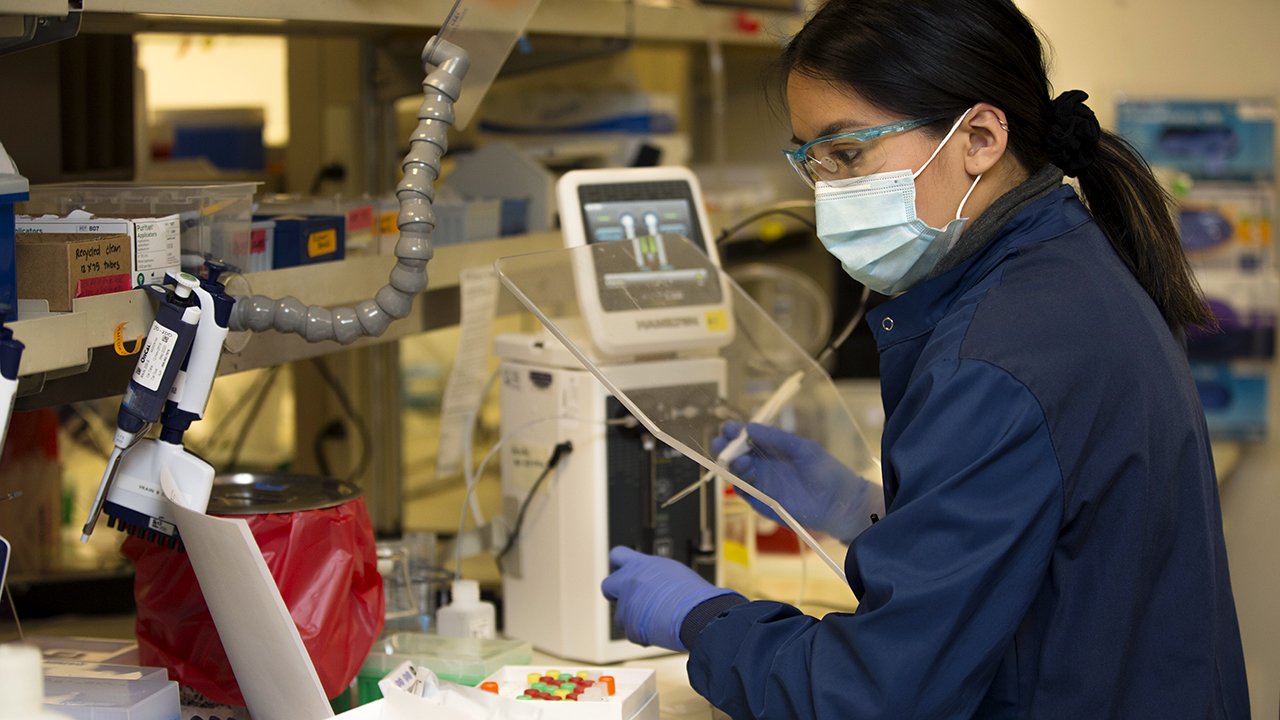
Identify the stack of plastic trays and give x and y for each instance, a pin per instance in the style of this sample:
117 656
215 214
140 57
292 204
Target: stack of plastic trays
112 699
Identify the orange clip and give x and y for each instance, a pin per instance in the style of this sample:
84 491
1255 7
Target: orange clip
118 334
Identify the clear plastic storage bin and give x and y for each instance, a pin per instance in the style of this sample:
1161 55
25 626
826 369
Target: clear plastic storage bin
214 216
465 661
98 699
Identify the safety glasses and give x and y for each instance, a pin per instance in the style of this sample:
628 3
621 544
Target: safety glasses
850 154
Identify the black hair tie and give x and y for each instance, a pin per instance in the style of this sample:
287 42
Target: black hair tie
1074 133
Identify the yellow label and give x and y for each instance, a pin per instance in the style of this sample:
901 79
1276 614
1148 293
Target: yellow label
118 335
717 320
387 223
322 243
736 553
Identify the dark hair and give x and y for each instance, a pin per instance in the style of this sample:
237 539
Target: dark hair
918 58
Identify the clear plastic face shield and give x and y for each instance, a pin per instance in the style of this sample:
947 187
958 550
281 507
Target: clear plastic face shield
692 357
487 30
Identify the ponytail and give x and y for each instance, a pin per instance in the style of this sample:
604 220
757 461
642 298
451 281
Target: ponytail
1129 205
919 58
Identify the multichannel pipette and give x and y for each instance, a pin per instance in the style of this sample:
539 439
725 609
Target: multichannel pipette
162 356
738 446
135 504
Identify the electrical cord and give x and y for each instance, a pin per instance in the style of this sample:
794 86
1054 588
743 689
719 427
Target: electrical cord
783 208
468 439
210 445
848 329
561 450
462 519
366 441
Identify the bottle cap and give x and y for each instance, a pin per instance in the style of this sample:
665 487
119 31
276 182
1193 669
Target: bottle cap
466 592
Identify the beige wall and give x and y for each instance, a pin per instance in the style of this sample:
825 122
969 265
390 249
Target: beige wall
1189 48
1198 49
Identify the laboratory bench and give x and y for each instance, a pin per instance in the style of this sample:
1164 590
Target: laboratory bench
677 700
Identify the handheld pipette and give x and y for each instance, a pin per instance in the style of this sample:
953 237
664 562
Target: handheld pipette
738 447
134 504
167 345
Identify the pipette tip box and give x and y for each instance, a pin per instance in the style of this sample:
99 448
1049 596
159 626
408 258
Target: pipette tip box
635 694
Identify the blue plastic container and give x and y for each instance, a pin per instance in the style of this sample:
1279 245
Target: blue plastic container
13 189
307 239
230 147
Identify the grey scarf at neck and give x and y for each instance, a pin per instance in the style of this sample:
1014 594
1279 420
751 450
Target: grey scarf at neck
992 220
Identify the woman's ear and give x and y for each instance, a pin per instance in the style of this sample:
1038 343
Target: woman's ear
987 133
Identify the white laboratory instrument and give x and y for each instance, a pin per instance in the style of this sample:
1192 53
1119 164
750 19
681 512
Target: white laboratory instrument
671 310
686 304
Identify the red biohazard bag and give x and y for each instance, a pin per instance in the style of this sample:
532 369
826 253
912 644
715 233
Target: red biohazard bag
323 561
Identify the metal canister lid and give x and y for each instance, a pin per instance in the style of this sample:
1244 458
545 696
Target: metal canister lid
265 493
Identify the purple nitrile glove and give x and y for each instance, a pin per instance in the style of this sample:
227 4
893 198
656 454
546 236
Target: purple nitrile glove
654 596
817 489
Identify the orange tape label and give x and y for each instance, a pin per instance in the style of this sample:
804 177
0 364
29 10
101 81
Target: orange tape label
118 334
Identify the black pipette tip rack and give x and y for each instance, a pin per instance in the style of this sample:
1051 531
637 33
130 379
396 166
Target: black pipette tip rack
147 534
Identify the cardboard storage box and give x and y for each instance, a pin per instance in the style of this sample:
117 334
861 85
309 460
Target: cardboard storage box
60 267
154 241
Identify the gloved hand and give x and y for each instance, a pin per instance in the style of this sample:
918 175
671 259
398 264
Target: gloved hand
654 596
817 489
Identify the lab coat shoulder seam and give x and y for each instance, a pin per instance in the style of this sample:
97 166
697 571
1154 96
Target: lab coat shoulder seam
1044 419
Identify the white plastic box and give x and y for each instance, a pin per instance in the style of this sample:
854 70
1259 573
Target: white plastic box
635 693
101 699
214 217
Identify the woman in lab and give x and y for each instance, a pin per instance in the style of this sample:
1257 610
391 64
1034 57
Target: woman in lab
1052 546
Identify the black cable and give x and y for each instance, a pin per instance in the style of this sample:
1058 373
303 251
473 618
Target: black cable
734 229
366 442
835 344
241 403
561 450
258 402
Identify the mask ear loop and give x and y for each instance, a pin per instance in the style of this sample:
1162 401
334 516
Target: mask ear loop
942 144
966 196
938 149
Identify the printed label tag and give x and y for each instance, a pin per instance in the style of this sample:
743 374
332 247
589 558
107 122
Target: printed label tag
155 357
322 243
360 218
388 223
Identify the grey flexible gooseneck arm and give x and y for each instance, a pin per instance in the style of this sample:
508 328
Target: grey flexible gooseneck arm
416 221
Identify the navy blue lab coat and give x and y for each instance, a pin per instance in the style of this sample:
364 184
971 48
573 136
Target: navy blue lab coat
1053 543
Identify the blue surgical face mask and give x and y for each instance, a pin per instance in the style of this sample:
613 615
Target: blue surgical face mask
870 225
